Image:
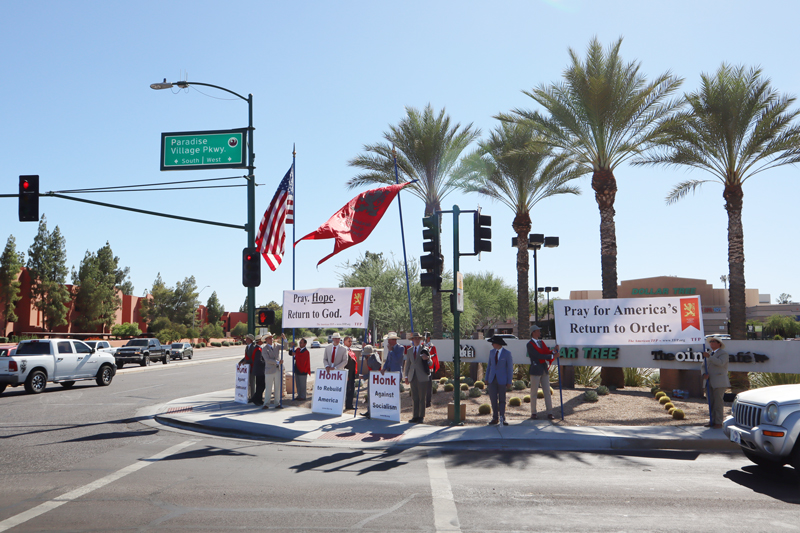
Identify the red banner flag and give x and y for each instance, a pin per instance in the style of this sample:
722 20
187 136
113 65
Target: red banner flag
690 316
355 221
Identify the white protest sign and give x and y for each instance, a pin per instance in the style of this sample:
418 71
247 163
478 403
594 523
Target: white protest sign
384 396
242 376
326 308
621 321
329 392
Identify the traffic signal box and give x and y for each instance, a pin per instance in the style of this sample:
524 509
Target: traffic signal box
432 262
251 267
483 233
28 198
264 317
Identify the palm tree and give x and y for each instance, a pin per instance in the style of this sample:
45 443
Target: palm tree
428 150
736 126
509 168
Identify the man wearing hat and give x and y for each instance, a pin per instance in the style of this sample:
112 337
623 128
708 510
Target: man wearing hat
434 364
272 373
715 371
393 362
373 364
257 369
335 357
541 357
417 374
248 360
499 374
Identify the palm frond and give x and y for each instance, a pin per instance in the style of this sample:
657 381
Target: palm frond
683 189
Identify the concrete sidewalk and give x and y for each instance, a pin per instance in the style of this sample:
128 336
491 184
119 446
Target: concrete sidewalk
217 413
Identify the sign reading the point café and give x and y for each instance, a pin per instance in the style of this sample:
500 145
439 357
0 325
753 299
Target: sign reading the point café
197 150
326 308
329 391
629 321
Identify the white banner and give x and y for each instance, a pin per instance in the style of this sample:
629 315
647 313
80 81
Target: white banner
240 388
632 321
326 308
384 396
329 392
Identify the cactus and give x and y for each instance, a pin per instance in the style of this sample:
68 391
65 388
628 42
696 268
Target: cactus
464 386
654 390
590 396
677 414
540 394
668 406
449 387
435 386
519 385
443 381
464 395
485 409
514 402
480 384
660 394
526 398
474 393
602 390
469 381
671 411
664 399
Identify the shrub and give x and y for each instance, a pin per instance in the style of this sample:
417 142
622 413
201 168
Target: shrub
485 409
464 395
126 329
519 385
590 396
227 344
480 385
526 398
443 380
449 387
602 390
474 393
469 381
668 406
639 377
464 386
677 414
664 399
768 379
660 394
3 339
402 387
202 344
588 376
514 402
654 389
435 386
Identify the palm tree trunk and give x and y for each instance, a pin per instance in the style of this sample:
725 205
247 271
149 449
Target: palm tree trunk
522 226
734 195
605 192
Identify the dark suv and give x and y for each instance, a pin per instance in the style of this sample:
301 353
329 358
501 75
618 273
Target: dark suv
141 351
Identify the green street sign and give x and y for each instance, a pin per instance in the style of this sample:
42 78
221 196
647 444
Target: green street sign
196 150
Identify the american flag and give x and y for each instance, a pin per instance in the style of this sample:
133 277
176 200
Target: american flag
272 230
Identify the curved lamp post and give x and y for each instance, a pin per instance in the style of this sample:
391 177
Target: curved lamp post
251 182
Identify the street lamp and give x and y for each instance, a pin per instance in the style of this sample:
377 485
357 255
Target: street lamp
548 290
251 182
535 242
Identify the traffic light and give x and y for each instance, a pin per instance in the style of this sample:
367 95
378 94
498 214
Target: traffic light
264 317
432 262
483 232
28 198
251 267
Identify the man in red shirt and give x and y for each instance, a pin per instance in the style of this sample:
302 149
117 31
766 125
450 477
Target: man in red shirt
302 368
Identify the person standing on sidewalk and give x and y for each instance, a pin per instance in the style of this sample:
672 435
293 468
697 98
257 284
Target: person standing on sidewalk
373 365
258 369
248 360
717 377
434 364
272 374
395 354
351 365
335 357
499 374
302 368
541 357
417 374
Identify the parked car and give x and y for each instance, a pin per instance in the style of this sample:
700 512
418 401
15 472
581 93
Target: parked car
62 361
179 350
315 344
7 349
765 423
101 346
141 351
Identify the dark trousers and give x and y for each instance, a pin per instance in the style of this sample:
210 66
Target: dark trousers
429 393
497 395
351 383
258 395
301 384
418 397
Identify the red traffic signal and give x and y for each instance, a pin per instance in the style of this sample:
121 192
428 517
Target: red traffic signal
251 268
264 316
28 198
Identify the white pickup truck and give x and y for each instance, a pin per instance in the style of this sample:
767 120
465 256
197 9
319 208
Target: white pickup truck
59 361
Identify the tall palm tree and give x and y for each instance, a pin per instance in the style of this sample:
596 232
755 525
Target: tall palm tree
736 126
428 150
509 168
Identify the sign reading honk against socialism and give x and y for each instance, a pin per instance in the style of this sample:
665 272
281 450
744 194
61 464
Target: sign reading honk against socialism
629 321
326 308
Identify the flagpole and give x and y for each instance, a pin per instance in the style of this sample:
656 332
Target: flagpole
294 218
403 236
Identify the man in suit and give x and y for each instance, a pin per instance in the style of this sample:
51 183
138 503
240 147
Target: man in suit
417 374
257 369
335 357
249 341
272 373
715 371
499 375
541 357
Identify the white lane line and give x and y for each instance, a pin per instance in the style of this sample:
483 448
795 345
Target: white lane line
445 514
21 518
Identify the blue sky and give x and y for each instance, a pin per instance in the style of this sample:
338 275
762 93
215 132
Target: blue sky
77 109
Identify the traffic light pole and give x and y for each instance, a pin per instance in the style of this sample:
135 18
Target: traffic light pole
456 326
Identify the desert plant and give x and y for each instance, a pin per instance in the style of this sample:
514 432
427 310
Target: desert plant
226 343
443 380
660 394
514 402
464 395
590 396
654 389
463 379
540 394
526 398
519 384
449 387
464 386
435 386
588 376
402 387
480 385
485 409
474 393
672 410
469 381
664 400
602 390
768 379
668 406
202 344
639 377
677 414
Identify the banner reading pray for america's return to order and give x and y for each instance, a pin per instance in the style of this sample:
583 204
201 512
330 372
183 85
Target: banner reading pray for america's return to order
326 308
629 321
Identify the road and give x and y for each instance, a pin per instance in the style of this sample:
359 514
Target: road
81 460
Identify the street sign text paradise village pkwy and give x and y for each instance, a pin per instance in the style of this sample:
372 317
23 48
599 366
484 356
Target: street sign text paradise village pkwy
196 150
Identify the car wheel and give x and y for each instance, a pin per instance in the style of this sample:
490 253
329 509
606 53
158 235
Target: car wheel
181 356
190 355
67 384
36 382
105 376
145 361
165 360
763 461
